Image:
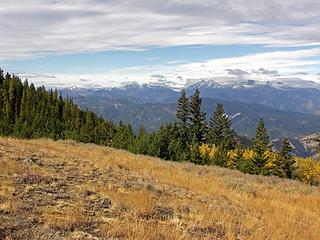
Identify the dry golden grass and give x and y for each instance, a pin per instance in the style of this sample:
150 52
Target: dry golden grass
150 198
65 219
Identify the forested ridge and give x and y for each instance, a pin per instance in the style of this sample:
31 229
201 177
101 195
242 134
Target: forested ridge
30 112
27 111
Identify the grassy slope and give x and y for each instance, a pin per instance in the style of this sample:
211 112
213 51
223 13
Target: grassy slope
62 192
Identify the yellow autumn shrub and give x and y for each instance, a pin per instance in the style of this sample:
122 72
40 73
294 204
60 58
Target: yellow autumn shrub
248 154
271 158
208 151
308 170
204 150
213 151
232 158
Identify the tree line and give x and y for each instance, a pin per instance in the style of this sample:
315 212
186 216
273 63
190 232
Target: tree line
27 111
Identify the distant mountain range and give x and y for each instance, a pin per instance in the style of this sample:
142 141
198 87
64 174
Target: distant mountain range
287 110
301 97
281 96
134 93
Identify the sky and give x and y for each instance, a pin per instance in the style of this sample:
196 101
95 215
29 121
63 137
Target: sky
109 43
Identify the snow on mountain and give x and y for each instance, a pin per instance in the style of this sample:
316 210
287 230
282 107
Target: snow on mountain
234 116
279 83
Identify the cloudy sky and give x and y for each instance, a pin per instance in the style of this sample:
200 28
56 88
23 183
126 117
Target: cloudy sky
166 42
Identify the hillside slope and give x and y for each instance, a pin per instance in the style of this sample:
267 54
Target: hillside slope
68 190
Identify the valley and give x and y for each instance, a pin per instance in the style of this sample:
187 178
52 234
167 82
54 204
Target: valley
288 111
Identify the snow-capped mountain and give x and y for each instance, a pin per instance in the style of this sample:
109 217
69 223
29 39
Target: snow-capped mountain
144 93
280 83
297 96
290 95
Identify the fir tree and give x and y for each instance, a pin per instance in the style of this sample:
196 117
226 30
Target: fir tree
24 102
1 102
1 77
195 156
87 130
261 144
164 138
153 144
11 101
197 119
183 114
140 143
285 161
123 136
220 132
183 109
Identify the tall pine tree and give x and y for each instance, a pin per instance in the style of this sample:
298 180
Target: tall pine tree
285 161
220 132
261 144
197 119
1 77
1 102
183 114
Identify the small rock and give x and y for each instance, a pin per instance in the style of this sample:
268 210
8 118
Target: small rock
218 231
150 188
88 193
82 235
33 159
106 203
162 213
5 212
31 178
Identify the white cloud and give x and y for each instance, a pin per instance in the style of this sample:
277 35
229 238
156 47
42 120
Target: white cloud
280 62
34 75
271 66
236 72
33 28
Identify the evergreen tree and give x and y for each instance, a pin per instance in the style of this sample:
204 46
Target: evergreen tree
6 124
1 100
1 77
261 144
87 130
197 119
183 114
11 101
220 132
195 156
123 136
164 138
285 161
153 144
103 132
140 143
